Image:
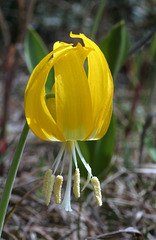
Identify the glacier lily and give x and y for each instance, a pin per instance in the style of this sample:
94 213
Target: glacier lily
78 108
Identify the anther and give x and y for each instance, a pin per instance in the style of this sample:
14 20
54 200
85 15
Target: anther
57 189
50 189
97 190
76 187
45 182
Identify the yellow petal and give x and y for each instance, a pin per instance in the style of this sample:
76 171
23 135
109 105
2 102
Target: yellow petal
72 93
37 114
106 121
100 84
52 105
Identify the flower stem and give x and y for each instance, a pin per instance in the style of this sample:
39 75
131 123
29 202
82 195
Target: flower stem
11 176
97 19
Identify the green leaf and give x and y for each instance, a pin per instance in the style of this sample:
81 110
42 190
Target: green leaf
115 47
150 147
152 50
127 154
152 153
35 51
101 158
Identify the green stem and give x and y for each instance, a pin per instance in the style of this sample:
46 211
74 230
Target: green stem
13 171
97 19
11 176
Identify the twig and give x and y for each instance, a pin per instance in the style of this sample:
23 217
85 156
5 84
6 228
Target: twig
9 64
95 213
10 60
118 234
143 134
10 235
108 180
142 42
30 11
79 222
22 199
88 221
152 97
5 29
68 234
136 95
23 22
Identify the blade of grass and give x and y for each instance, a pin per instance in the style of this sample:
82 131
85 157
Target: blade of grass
97 19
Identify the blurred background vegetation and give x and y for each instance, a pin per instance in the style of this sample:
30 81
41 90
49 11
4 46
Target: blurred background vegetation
125 159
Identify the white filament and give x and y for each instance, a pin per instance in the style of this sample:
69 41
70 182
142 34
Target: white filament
58 158
63 161
83 160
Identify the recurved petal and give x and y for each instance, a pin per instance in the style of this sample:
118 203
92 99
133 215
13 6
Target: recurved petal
37 114
73 100
106 121
105 117
52 105
100 84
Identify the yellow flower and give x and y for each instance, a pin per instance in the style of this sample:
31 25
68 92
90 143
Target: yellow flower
80 106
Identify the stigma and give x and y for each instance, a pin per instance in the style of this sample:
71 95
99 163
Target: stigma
53 182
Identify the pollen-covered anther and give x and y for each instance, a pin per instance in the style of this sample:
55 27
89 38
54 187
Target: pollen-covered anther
57 189
97 190
76 187
51 181
45 182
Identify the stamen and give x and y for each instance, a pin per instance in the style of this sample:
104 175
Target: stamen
63 161
57 189
66 204
74 153
58 158
97 190
50 189
76 187
45 182
88 179
82 159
